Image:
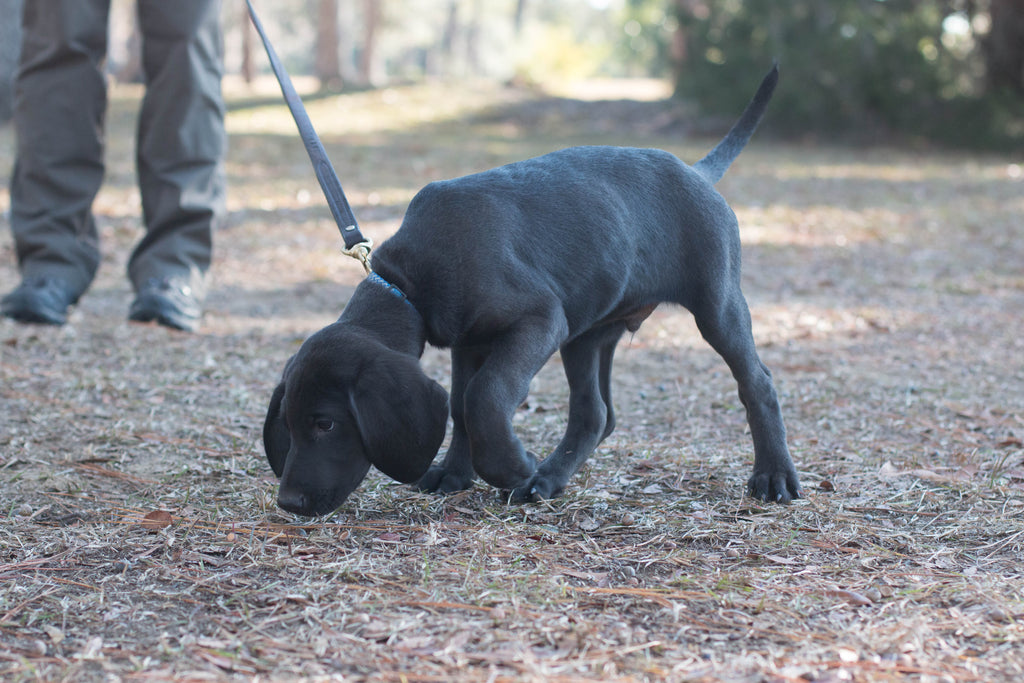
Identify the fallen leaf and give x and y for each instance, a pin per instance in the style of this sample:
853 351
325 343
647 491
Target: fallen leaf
962 474
852 597
156 520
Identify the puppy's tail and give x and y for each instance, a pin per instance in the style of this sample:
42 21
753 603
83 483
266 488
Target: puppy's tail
716 163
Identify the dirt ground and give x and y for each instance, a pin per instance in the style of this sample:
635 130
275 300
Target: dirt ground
141 540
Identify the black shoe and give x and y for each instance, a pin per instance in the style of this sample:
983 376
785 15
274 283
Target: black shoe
39 299
169 302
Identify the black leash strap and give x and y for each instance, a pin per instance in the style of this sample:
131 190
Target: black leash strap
356 245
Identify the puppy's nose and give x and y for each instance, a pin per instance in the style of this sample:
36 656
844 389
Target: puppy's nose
293 501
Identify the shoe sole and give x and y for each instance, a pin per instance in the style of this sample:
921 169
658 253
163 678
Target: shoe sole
32 316
141 313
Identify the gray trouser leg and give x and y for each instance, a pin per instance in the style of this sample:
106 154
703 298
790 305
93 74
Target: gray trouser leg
181 140
59 105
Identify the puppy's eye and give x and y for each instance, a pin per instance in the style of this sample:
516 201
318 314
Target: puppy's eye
324 425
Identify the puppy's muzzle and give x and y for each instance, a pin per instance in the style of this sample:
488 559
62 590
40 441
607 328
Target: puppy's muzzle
306 503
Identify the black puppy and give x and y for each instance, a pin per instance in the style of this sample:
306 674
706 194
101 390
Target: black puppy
564 252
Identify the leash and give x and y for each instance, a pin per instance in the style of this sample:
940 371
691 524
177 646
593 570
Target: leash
356 245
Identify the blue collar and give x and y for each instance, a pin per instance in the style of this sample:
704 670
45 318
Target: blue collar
395 291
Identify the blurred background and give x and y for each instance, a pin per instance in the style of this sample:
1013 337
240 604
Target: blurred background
944 71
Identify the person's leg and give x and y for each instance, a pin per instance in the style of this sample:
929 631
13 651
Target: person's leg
59 110
180 158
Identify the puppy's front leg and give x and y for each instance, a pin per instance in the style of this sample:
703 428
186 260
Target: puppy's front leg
497 389
455 473
588 364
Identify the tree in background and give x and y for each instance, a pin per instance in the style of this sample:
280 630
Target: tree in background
646 39
327 61
907 66
1004 46
372 15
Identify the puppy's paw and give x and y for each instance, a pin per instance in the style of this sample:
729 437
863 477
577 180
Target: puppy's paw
542 486
441 480
780 486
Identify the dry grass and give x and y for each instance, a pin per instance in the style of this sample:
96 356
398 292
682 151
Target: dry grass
887 293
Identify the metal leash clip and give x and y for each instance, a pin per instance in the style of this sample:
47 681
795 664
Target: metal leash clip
360 252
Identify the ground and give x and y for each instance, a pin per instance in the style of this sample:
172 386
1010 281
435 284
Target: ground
140 537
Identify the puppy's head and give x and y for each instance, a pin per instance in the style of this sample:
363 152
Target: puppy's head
346 402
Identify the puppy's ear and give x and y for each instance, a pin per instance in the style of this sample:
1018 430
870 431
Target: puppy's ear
402 416
276 439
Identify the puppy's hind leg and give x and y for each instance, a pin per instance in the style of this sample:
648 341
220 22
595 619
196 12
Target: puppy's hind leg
455 473
725 323
587 361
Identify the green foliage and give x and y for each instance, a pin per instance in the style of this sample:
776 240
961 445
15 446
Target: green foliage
641 45
850 67
559 53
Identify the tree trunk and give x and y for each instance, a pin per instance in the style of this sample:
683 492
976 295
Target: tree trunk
517 17
473 39
441 60
372 12
1004 47
328 64
679 50
248 66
